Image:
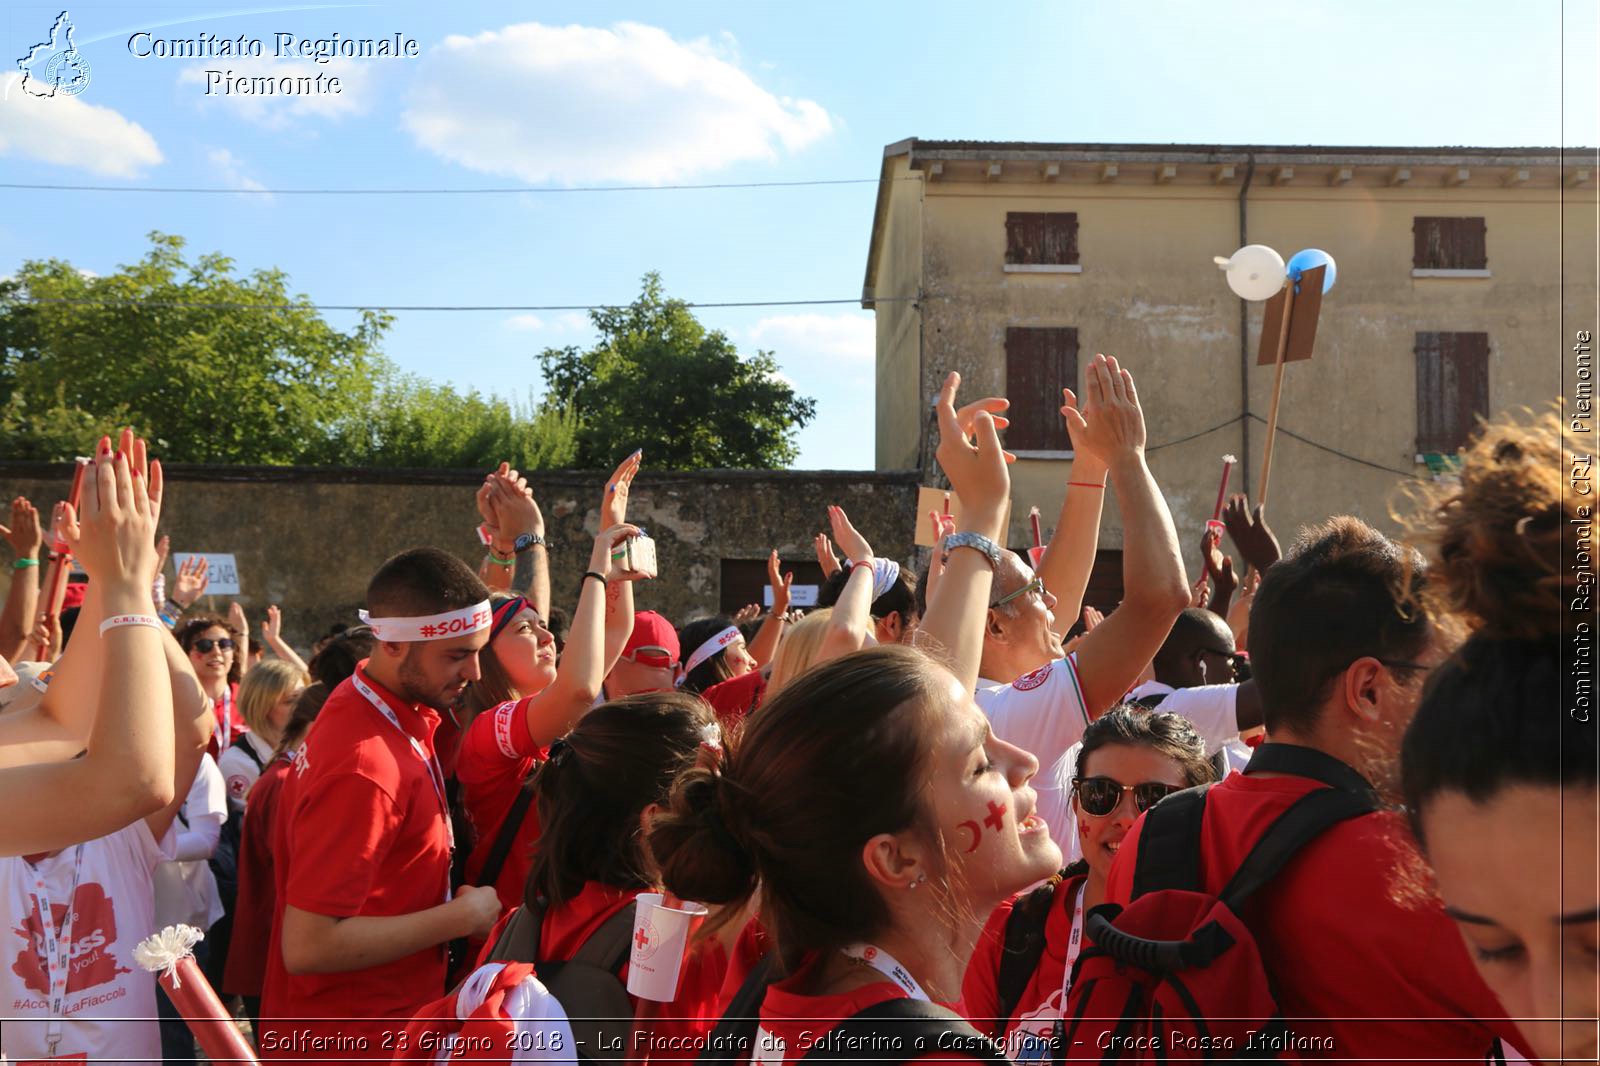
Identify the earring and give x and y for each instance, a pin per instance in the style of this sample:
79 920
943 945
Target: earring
919 880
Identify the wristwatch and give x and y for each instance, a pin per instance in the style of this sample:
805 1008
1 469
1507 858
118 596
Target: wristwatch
526 541
983 544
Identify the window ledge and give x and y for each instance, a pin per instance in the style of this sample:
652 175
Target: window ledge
1430 272
1026 454
1043 268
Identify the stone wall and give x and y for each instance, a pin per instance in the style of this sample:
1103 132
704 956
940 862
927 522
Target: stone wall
308 539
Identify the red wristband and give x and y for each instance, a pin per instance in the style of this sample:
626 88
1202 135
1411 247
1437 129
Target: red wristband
1088 484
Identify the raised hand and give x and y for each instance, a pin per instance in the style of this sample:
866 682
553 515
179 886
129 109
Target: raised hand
1218 567
237 619
112 532
614 504
974 461
850 541
1198 592
192 581
25 534
1091 618
1250 534
780 584
1111 424
600 560
1239 613
163 548
825 557
272 626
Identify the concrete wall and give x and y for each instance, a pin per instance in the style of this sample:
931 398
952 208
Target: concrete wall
1149 295
901 407
308 540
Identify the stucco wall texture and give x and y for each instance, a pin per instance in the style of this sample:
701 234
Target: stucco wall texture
308 540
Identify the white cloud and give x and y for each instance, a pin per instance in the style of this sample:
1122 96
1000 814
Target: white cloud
567 322
278 109
845 338
68 132
231 168
525 323
579 103
573 320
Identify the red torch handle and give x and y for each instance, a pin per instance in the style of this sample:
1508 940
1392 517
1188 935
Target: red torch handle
55 579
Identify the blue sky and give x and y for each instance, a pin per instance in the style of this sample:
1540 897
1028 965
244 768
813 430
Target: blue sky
564 94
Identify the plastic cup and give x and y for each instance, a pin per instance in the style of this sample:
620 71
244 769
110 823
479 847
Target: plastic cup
1035 555
660 935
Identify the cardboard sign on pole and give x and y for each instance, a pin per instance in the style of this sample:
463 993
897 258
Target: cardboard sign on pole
930 501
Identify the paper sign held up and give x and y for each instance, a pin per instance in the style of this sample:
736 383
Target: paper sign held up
799 595
222 573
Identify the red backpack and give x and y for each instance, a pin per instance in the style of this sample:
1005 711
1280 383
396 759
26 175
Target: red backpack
1177 975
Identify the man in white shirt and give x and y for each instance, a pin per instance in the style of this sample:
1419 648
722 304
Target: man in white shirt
1195 677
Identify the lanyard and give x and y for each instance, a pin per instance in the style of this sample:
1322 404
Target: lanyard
57 946
225 720
1074 942
885 964
435 773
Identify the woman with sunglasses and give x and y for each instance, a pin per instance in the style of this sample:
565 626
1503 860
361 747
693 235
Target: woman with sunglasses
526 701
212 646
1129 760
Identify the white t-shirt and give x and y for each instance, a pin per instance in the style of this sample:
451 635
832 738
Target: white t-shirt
186 889
114 909
239 771
1042 712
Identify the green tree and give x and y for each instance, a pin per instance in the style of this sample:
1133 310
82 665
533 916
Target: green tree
214 367
660 380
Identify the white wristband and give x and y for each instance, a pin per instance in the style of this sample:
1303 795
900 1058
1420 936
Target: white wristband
118 620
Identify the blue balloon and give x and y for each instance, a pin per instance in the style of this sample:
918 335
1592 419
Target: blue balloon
1308 259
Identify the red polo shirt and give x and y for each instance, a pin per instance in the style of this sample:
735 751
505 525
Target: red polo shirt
359 831
253 909
497 753
1386 981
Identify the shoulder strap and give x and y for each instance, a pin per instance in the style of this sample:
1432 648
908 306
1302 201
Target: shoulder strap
1169 843
607 947
519 940
1308 762
1022 948
242 741
730 1042
496 859
901 1030
1296 827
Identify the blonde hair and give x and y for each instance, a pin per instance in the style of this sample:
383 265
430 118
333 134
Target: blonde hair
798 652
263 686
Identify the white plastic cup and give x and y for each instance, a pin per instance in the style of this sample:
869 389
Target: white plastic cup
660 935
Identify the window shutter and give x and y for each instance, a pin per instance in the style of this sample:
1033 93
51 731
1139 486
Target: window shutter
1449 243
1034 237
1452 388
1039 363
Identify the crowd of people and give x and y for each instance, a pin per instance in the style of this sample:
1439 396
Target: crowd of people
1323 803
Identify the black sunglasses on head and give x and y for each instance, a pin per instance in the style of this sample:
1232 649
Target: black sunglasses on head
203 645
1099 796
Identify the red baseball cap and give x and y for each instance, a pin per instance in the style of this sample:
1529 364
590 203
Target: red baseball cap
653 641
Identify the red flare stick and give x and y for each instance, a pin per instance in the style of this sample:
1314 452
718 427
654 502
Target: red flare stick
1033 520
55 579
207 1019
1222 490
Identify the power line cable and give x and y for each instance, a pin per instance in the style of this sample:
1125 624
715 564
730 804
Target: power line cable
1334 451
378 306
1194 436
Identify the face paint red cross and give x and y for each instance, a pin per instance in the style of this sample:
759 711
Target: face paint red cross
641 939
996 817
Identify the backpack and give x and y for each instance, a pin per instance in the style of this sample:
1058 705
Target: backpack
896 1030
1177 974
587 985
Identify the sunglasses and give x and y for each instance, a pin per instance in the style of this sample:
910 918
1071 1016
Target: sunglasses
1036 585
203 645
1100 796
651 655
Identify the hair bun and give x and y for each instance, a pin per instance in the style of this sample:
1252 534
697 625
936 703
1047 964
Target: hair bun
701 855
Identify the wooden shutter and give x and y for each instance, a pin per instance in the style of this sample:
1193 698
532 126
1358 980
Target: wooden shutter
1452 388
1449 243
1039 363
1042 237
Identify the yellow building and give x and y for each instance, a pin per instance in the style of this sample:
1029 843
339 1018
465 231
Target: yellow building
1462 275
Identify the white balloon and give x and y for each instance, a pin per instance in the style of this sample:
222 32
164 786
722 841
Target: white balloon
1255 272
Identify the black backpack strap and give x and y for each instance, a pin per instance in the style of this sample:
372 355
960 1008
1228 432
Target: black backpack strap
1169 844
1296 827
249 749
607 947
1308 762
1022 948
496 859
519 938
731 1041
912 1028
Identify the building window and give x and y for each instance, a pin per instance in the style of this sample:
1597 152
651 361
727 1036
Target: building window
1452 388
745 581
1449 244
1039 363
1041 238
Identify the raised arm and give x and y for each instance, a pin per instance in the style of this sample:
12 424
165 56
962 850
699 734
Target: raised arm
765 646
978 475
1155 587
272 635
128 770
1069 557
619 593
851 621
22 600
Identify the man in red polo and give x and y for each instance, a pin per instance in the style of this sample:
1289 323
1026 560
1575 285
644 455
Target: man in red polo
363 843
1361 973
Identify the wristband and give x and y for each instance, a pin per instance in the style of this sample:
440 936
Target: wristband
1088 484
118 620
495 559
867 562
587 574
24 562
177 608
168 621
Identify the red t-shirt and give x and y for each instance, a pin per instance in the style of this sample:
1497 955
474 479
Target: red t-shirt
792 1023
736 698
677 1027
496 755
1042 1002
1350 963
360 830
252 909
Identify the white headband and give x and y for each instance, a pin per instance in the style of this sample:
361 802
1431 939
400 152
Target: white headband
710 648
884 573
432 627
